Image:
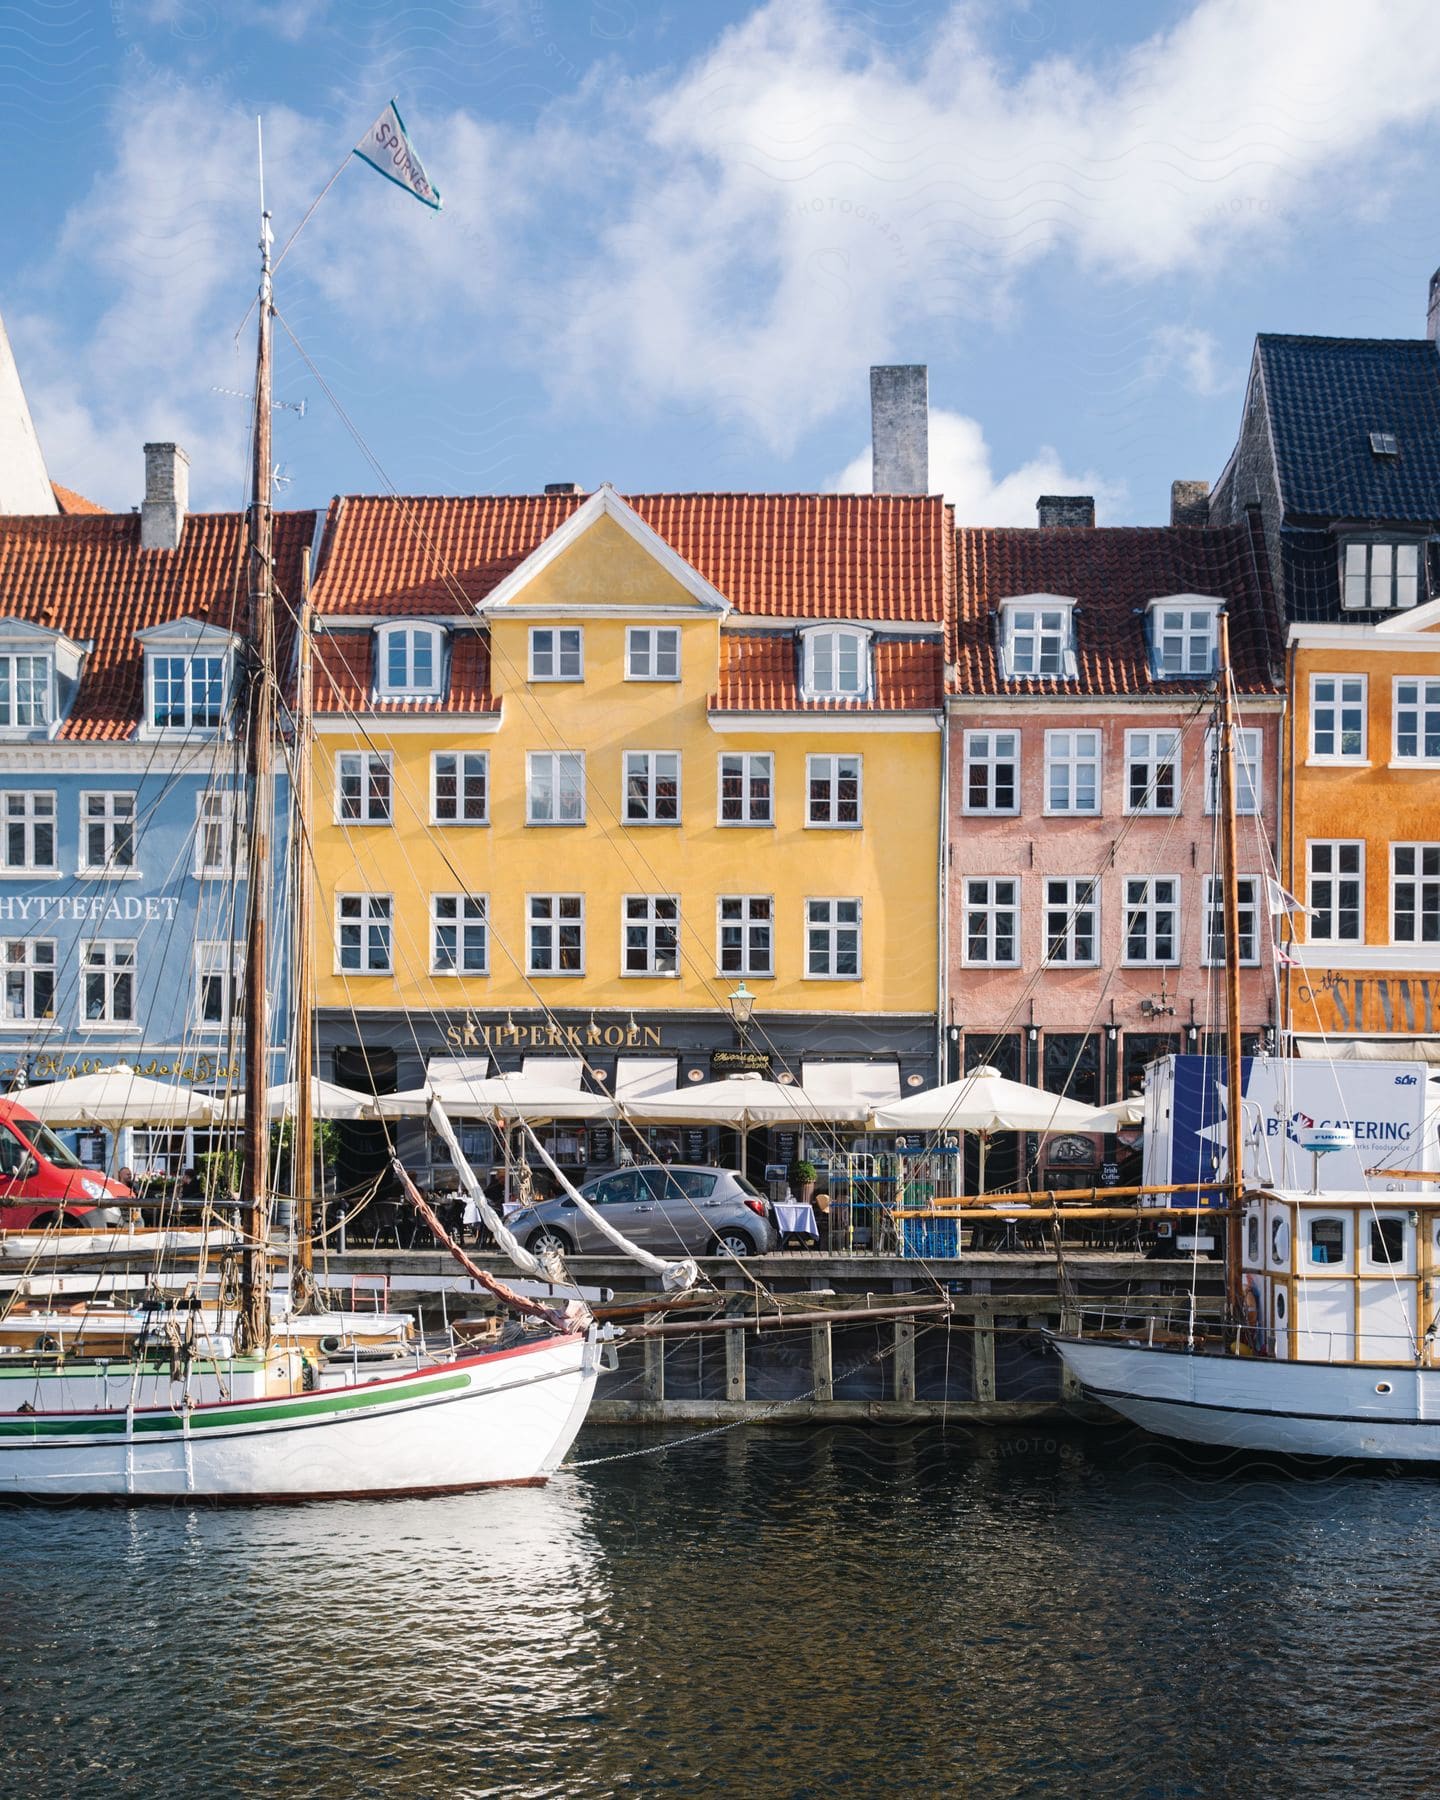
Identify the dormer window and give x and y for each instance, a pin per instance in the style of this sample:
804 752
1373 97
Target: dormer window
26 692
1380 576
1037 639
409 661
189 673
1184 637
836 663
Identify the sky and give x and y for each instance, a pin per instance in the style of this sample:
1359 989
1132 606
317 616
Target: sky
676 235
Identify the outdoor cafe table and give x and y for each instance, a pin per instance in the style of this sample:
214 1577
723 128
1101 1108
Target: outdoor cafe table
795 1220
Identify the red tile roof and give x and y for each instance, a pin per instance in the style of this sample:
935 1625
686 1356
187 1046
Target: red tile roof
1113 573
70 502
86 576
854 556
759 672
343 665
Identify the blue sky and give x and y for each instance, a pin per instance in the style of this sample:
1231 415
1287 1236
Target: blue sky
676 235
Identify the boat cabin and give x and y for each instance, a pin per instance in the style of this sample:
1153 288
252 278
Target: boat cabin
1343 1277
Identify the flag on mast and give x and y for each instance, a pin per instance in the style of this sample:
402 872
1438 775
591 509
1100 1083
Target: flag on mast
386 147
1282 902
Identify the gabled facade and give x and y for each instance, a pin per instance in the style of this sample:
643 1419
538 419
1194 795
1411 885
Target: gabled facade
1339 447
1363 837
122 887
587 766
1084 931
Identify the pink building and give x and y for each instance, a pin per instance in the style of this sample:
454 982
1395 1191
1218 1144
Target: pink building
1084 922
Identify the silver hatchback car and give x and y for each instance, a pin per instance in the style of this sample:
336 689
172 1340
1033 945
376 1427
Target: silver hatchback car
661 1207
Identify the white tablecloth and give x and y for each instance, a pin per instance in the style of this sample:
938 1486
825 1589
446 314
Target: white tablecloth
794 1220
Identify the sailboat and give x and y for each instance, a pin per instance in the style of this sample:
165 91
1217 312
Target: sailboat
243 1412
1328 1347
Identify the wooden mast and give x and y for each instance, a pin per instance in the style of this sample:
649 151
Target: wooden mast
1234 1224
259 727
302 1158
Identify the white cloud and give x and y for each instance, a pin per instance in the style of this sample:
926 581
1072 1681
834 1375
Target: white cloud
961 468
1191 356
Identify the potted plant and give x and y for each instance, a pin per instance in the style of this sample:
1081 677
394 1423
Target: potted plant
802 1176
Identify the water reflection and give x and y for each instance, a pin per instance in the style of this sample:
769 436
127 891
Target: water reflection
757 1613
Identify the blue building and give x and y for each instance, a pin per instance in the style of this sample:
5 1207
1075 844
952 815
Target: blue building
122 817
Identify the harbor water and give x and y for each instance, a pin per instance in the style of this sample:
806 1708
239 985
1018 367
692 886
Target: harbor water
750 1612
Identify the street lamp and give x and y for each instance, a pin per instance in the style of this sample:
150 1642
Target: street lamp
741 1004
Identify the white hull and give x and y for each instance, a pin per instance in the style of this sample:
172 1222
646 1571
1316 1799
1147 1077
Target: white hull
1252 1403
498 1418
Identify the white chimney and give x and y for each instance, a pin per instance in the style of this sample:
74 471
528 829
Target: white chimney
167 497
1432 315
900 428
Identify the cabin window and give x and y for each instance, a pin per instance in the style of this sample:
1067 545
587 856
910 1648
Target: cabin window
1252 1238
1279 1242
1387 1240
409 660
1280 1306
1327 1241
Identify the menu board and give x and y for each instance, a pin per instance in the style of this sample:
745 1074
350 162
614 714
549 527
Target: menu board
787 1146
602 1148
697 1144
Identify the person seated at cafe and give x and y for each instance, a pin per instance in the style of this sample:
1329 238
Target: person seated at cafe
190 1188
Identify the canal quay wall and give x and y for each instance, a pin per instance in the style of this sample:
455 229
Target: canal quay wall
987 1362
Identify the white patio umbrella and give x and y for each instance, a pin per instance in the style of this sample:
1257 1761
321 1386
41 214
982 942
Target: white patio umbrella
1116 1117
984 1101
328 1100
118 1096
505 1097
743 1101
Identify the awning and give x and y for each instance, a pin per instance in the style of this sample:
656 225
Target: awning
1382 1049
852 1083
457 1068
638 1077
553 1071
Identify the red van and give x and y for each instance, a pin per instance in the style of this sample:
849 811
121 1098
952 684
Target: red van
42 1183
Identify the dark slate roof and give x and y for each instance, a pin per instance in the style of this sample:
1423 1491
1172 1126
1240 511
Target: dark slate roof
1112 572
1325 396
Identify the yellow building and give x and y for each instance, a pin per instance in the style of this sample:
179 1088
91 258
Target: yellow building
1362 834
586 768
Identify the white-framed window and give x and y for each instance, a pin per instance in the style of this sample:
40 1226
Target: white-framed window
555 787
410 660
836 663
1152 920
1380 577
832 940
1072 915
1072 771
218 850
1337 718
186 692
29 980
29 819
460 787
1415 893
1152 771
1246 888
459 934
1247 770
107 982
652 787
832 792
364 787
364 934
217 983
745 934
1036 640
107 833
992 772
992 920
27 684
1417 720
555 934
557 653
651 935
747 788
652 653
1184 639
1335 891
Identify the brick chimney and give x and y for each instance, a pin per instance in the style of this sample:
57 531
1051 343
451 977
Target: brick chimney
167 497
1432 315
900 428
1189 502
1065 509
563 487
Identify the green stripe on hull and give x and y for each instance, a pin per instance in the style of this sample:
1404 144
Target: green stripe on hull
301 1409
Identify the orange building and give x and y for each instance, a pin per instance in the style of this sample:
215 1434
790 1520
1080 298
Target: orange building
1362 834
